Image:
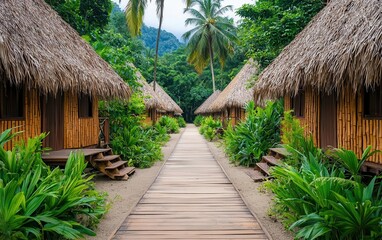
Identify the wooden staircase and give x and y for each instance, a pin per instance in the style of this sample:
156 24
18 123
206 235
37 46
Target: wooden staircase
261 170
111 165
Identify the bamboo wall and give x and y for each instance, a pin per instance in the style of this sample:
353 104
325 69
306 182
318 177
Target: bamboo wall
354 132
79 132
30 125
310 121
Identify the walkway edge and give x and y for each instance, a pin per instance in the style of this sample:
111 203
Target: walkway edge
160 170
242 197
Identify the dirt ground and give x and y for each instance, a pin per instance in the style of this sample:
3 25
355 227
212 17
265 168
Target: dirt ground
124 195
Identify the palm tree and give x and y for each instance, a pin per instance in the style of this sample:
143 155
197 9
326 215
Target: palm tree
213 35
135 11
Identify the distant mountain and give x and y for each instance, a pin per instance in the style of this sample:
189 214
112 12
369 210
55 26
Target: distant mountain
168 42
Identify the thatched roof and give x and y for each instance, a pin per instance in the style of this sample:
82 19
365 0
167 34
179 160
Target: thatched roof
151 99
237 93
169 104
203 108
341 46
39 50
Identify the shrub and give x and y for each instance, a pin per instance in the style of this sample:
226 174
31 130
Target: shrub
181 122
250 139
209 127
322 199
39 203
139 145
171 124
198 120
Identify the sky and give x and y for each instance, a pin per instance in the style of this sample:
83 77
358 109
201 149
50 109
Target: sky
174 17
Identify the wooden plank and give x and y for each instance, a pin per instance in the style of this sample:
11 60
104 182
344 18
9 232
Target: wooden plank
191 199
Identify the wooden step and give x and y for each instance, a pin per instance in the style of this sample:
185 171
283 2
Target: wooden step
279 152
107 158
125 171
272 160
371 167
115 165
263 167
256 175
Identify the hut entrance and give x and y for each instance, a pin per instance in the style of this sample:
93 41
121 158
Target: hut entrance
52 120
328 120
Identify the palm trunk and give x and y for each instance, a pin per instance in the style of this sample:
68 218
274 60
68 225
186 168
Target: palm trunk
212 63
157 43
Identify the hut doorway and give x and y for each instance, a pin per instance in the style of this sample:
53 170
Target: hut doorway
328 120
52 120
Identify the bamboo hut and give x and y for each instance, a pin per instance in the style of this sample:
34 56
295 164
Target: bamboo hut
203 109
50 78
171 108
154 105
331 76
232 100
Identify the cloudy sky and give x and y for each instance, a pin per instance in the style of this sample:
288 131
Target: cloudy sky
173 14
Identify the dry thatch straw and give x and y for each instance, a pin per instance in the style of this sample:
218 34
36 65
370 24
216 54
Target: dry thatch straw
340 47
169 104
151 99
203 108
236 94
39 50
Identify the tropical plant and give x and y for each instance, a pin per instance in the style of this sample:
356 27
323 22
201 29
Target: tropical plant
135 11
139 145
209 128
213 36
250 139
181 122
198 120
171 124
39 203
320 199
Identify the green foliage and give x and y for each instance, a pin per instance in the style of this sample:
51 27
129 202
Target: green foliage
181 122
171 124
250 140
209 127
320 199
198 120
84 16
269 25
139 145
39 203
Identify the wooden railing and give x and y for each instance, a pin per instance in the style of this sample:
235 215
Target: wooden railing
104 132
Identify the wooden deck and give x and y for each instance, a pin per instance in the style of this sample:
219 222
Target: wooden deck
191 199
61 156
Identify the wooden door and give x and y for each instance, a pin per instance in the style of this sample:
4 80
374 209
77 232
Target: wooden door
328 120
52 120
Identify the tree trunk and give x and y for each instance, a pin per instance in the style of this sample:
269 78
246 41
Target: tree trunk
211 63
157 43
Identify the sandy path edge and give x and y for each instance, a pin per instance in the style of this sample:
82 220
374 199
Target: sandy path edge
257 202
125 195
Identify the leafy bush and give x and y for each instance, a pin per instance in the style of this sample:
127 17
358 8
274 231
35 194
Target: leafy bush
250 139
171 124
181 122
323 199
198 120
39 203
140 146
209 128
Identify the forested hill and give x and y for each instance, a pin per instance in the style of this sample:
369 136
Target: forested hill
168 42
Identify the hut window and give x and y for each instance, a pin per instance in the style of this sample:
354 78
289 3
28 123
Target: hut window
298 104
85 106
12 101
372 104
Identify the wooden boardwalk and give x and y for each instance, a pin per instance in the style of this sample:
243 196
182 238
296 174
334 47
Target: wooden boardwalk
191 199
